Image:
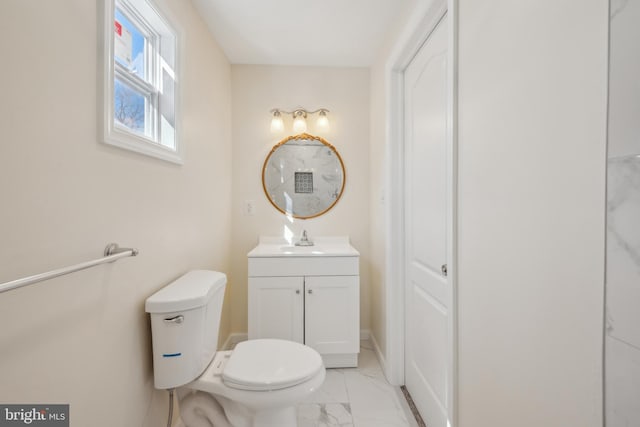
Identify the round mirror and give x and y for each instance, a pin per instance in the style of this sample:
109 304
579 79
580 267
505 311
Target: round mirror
303 176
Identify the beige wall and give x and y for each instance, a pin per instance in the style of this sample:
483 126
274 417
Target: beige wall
377 207
378 161
84 338
532 139
255 91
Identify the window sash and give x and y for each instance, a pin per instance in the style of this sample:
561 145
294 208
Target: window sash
157 88
147 87
150 108
151 39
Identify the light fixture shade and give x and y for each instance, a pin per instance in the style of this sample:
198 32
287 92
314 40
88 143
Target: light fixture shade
277 125
299 123
323 121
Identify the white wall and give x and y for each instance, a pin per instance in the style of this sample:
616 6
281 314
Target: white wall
623 210
255 91
624 100
84 339
532 132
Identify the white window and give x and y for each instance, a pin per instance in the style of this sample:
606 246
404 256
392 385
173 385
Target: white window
140 84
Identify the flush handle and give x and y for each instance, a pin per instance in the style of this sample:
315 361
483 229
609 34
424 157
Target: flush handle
175 320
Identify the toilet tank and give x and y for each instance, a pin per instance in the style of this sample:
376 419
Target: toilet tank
185 318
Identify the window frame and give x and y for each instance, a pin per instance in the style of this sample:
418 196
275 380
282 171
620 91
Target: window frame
161 52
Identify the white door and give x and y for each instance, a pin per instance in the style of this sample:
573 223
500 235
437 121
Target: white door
332 316
428 295
276 308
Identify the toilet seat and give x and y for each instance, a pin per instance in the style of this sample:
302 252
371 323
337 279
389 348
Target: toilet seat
270 364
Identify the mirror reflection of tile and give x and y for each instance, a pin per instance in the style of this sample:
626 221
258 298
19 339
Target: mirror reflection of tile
304 182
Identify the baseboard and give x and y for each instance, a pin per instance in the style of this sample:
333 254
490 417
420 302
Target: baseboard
232 340
379 354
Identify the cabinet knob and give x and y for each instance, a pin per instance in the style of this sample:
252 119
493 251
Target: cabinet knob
310 291
297 291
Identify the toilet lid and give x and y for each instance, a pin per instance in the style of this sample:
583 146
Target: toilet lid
270 364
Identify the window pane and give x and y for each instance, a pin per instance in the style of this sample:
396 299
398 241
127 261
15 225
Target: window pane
129 45
130 107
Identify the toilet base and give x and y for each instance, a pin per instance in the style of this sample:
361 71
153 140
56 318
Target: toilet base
239 416
199 408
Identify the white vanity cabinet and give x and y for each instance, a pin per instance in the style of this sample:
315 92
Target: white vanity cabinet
276 308
308 294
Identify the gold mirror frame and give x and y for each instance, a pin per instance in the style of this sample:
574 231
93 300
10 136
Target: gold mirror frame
333 173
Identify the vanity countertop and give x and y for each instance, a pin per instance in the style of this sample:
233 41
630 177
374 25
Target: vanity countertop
269 247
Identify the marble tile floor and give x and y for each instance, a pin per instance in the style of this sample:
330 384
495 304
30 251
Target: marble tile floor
356 397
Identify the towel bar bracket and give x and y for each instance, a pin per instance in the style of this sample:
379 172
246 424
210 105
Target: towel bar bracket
113 249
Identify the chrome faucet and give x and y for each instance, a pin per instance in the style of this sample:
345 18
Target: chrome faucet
304 240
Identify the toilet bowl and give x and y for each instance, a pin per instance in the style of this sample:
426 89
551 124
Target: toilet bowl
260 382
257 384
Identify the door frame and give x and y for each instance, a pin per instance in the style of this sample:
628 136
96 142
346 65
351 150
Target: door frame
420 26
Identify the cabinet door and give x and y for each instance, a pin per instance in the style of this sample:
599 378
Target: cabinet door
332 314
276 308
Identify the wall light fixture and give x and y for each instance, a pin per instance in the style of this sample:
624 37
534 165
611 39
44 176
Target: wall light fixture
299 120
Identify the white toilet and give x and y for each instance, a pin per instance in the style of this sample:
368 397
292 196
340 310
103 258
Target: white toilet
258 384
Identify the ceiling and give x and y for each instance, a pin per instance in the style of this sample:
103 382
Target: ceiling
337 33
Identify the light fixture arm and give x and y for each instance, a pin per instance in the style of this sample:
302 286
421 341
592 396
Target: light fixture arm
297 110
